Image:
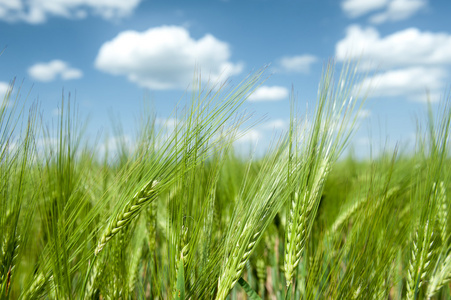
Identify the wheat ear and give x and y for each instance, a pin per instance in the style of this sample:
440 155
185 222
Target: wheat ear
419 262
261 275
442 211
95 273
440 278
302 212
235 265
8 261
36 287
146 195
296 238
152 225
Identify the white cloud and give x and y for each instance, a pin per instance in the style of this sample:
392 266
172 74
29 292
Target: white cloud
363 114
299 63
410 60
250 136
11 4
357 8
402 48
392 10
269 93
168 122
165 57
398 10
114 145
57 112
4 87
50 71
412 83
275 124
4 103
38 11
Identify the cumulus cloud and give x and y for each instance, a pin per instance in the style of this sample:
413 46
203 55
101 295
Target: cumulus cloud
363 114
269 93
300 63
116 145
357 8
52 70
388 10
165 57
402 48
413 83
4 87
411 60
250 136
398 10
275 124
38 11
260 131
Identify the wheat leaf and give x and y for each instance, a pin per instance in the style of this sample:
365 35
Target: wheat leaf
249 291
180 281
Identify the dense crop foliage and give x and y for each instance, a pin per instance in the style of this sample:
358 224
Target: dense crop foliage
180 215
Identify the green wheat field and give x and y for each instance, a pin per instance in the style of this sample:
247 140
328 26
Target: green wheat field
182 215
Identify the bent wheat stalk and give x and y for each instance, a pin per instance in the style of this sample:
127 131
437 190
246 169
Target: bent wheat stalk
146 195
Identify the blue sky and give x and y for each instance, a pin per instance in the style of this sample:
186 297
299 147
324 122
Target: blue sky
112 54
